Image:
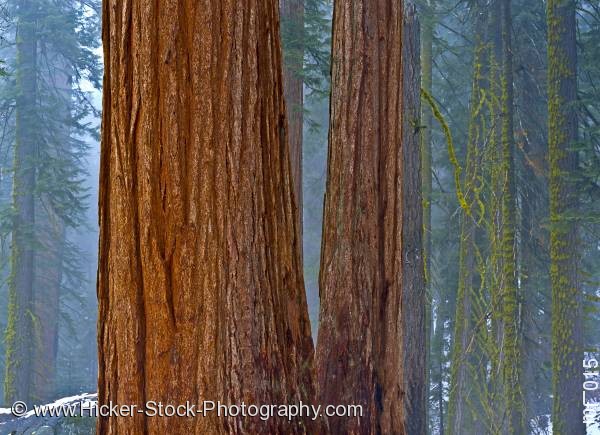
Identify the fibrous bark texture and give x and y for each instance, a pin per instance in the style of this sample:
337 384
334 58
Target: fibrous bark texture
200 289
371 347
413 312
511 364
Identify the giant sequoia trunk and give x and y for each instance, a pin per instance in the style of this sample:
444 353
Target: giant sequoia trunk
20 327
567 346
200 288
371 347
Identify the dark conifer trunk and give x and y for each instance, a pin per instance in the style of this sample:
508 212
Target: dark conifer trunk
48 283
510 310
20 327
567 339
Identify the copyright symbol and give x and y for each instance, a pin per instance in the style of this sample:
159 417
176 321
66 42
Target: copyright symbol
18 409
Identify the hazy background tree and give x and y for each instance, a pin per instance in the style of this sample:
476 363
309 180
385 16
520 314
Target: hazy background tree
46 118
306 40
567 300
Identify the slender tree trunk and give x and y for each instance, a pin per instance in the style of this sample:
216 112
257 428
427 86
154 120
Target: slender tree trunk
497 188
495 167
292 15
51 239
529 330
463 395
531 243
463 331
567 346
415 343
20 327
427 121
510 307
48 280
427 124
437 344
201 295
371 347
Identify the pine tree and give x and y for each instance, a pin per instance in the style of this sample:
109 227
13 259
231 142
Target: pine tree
20 325
56 57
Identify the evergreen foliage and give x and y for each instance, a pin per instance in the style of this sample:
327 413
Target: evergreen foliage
65 36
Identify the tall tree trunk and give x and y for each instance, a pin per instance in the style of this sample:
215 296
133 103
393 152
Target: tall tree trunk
437 377
533 267
292 15
426 175
511 375
48 280
371 347
427 121
567 346
458 411
20 327
51 238
414 339
463 395
200 288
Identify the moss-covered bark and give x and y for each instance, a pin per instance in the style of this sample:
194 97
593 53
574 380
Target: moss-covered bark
511 363
495 197
567 349
463 402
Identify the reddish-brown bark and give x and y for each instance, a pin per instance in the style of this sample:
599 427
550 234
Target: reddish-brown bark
200 288
371 347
